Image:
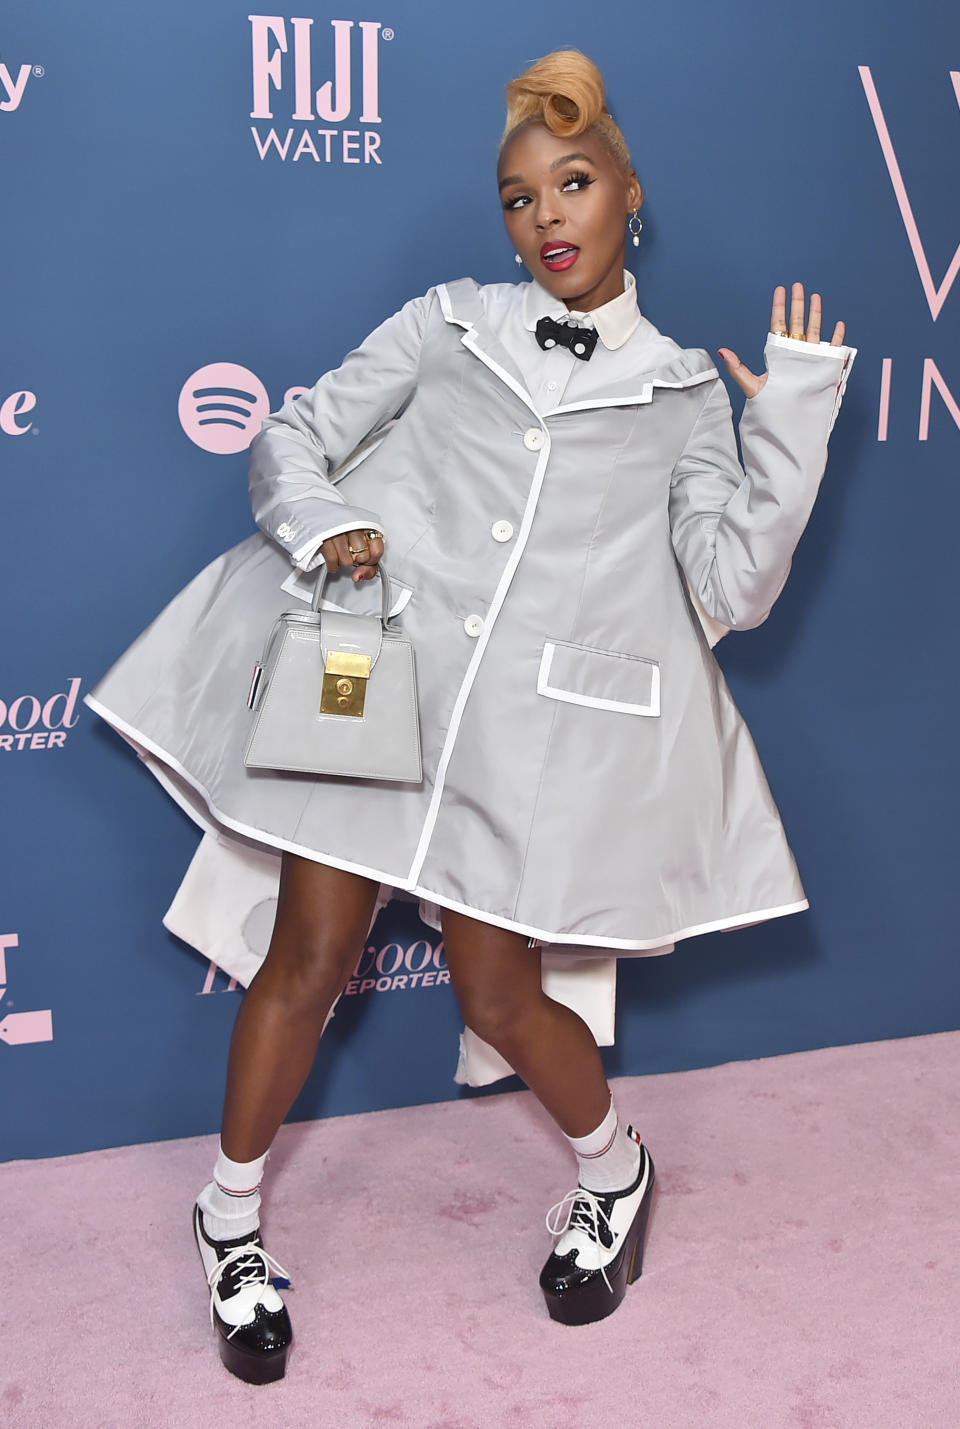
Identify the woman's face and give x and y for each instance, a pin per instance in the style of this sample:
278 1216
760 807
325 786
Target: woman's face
565 206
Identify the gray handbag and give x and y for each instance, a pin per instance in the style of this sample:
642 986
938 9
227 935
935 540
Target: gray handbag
336 693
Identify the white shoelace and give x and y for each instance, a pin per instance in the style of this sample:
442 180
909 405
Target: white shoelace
253 1264
560 1216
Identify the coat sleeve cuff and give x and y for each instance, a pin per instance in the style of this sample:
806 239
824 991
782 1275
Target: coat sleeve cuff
840 352
303 530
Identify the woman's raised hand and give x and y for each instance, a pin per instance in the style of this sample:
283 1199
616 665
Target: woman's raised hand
741 374
360 549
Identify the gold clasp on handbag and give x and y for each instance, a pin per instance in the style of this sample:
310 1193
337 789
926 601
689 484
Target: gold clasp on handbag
344 687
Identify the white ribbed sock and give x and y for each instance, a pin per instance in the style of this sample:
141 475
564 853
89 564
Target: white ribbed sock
608 1159
231 1201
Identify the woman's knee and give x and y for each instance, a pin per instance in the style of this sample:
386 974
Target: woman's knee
497 978
323 915
308 966
500 1020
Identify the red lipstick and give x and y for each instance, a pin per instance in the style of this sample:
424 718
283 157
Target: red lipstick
557 256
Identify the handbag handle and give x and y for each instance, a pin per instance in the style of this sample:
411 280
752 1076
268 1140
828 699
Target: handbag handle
384 591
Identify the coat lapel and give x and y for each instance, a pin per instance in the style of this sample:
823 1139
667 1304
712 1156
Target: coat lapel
462 305
482 340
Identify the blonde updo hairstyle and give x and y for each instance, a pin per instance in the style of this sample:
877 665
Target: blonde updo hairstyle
564 91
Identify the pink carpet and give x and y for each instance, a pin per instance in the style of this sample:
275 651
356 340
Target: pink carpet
802 1265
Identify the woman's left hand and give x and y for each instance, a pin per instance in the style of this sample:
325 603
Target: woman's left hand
741 374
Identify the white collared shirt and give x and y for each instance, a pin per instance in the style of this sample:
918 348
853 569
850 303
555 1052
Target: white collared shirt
614 321
548 372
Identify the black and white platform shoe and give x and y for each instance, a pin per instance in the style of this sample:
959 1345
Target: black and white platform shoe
600 1250
252 1324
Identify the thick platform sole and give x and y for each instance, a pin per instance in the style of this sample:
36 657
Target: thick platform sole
253 1366
591 1300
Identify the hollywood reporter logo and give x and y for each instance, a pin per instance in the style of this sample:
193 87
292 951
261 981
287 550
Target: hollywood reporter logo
17 1028
29 723
392 968
395 968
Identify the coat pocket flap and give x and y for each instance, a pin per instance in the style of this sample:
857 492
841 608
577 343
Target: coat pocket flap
603 679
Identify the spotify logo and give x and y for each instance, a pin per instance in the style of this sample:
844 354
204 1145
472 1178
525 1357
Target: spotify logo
221 407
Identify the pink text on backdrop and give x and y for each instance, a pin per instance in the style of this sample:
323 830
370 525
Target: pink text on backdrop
12 408
283 72
27 722
936 297
12 86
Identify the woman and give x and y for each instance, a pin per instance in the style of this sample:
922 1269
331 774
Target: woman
556 482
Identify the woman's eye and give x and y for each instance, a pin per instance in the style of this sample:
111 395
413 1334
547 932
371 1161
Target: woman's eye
571 184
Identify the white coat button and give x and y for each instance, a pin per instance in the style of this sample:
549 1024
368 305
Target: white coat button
533 439
284 531
552 386
473 625
501 530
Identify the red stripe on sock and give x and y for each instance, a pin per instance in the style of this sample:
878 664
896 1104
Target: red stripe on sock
589 1155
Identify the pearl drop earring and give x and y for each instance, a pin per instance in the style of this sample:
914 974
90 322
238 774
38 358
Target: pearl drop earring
517 259
635 232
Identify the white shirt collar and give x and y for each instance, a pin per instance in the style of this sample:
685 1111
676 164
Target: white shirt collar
614 321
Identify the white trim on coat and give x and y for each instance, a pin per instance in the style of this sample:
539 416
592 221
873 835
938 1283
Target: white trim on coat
489 620
645 395
636 400
801 344
446 307
692 381
220 821
593 940
472 343
556 692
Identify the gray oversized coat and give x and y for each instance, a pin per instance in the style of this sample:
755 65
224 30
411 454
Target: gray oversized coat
588 780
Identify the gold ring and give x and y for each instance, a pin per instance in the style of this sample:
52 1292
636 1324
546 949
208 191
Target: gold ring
374 535
780 332
798 336
357 550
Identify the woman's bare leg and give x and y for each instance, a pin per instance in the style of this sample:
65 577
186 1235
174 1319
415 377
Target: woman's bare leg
497 980
323 915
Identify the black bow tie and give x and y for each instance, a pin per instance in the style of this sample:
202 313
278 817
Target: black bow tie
580 340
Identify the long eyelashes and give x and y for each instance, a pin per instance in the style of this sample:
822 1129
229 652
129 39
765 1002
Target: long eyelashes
579 180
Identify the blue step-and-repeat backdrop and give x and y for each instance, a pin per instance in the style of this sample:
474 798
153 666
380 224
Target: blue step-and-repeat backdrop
189 186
